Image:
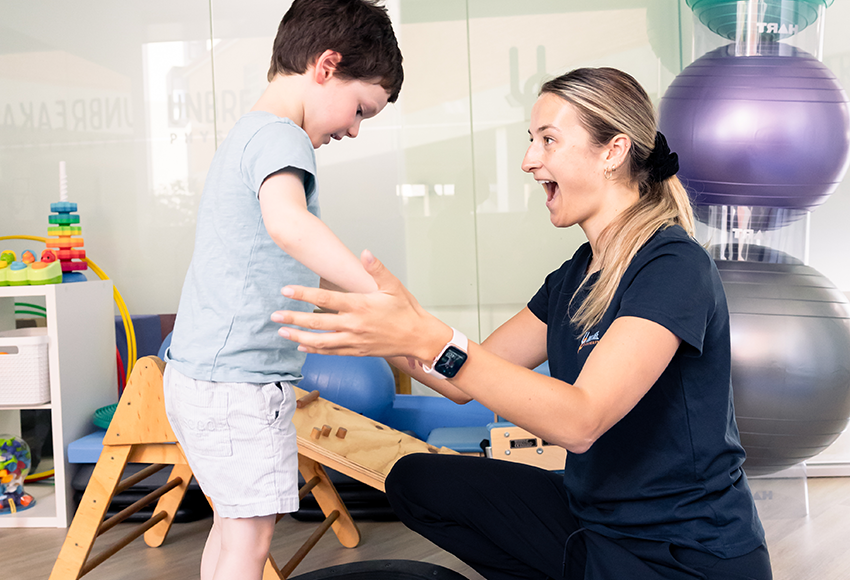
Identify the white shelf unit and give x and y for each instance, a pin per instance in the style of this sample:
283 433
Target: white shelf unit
82 367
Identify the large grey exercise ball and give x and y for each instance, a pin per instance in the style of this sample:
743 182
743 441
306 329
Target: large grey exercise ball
790 332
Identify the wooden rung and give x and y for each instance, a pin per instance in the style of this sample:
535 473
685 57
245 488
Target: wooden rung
302 493
328 499
170 503
137 505
308 487
308 545
96 561
141 475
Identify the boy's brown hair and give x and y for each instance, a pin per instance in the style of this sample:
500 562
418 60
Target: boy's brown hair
359 30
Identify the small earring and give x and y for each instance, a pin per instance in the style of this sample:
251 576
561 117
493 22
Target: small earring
609 172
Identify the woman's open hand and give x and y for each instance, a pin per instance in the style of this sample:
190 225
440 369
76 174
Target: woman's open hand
389 322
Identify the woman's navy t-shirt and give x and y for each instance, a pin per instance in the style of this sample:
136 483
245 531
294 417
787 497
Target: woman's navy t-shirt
670 470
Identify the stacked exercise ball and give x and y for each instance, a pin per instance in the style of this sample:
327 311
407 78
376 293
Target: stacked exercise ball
762 129
790 332
770 131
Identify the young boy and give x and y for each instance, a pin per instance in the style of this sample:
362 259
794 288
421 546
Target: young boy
228 383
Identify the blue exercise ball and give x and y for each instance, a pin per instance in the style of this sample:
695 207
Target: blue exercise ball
362 384
770 131
790 340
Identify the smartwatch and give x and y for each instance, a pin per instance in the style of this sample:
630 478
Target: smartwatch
451 358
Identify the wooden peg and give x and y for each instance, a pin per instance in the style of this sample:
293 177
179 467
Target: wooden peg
316 433
326 430
307 399
341 432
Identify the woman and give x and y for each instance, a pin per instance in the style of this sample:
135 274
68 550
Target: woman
636 331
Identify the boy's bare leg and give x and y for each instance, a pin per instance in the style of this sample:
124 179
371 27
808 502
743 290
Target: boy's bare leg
209 559
237 548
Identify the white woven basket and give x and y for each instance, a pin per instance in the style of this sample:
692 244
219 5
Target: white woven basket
24 378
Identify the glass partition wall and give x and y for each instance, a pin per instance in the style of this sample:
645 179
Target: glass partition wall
134 97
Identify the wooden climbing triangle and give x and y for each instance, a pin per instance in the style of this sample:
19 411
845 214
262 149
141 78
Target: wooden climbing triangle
140 433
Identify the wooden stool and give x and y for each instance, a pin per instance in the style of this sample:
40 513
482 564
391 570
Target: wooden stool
140 433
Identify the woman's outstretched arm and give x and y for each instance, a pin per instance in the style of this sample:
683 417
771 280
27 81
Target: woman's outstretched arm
621 369
521 340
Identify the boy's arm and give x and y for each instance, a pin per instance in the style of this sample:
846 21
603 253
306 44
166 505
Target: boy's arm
305 237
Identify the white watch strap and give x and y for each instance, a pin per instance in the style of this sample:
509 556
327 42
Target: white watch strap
459 340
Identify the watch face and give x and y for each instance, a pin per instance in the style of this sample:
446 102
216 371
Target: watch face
451 361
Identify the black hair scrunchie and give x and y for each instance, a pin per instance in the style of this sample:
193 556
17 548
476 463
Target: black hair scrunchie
662 163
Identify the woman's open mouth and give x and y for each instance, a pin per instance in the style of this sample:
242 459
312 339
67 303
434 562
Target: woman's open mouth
551 188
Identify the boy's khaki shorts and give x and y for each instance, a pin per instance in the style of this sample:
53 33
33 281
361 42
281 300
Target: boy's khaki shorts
239 440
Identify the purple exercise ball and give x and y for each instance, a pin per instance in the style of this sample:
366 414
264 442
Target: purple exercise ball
770 131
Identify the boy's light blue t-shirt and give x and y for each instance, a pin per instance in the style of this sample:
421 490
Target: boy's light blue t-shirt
223 332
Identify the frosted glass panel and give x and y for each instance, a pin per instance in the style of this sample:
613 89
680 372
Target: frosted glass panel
514 48
88 83
830 236
432 186
434 167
